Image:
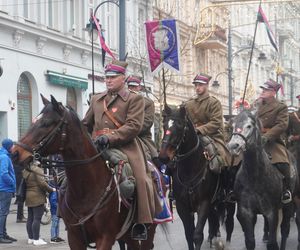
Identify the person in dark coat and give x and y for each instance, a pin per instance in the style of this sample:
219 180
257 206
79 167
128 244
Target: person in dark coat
274 117
36 188
20 203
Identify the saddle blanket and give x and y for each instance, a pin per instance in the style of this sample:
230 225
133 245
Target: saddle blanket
166 214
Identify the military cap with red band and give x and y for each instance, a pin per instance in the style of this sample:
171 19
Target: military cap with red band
271 85
115 68
133 81
201 78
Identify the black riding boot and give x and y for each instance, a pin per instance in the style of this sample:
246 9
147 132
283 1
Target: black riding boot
211 154
284 169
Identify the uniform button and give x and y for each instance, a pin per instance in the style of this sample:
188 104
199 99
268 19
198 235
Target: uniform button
105 121
113 133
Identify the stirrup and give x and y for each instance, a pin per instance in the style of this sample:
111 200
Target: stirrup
288 198
139 232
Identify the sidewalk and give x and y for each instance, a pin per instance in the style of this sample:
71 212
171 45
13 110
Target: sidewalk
18 231
169 237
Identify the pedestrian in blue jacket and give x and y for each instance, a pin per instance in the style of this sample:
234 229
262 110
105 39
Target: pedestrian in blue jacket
7 188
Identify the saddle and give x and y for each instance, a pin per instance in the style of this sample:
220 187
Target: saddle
211 154
119 161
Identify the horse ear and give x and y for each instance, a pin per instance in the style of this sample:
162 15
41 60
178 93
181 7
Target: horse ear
182 111
45 100
253 111
167 110
55 104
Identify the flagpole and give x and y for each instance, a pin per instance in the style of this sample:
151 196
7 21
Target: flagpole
164 87
251 54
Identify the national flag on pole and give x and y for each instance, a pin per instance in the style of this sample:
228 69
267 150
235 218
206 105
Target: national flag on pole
104 47
261 17
163 45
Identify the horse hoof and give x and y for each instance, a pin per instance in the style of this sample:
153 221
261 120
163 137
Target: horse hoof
265 238
219 245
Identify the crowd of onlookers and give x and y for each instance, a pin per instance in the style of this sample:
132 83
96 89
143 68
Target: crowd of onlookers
38 188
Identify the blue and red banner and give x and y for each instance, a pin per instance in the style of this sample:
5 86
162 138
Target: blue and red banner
263 19
163 45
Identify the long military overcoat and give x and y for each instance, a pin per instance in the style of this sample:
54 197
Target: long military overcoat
274 118
294 124
145 134
127 108
206 114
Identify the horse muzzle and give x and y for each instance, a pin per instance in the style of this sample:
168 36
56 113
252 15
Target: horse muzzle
20 155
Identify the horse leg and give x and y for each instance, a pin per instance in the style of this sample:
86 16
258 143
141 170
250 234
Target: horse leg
148 244
247 220
288 211
266 230
122 244
75 240
202 212
229 222
273 223
297 204
187 219
213 225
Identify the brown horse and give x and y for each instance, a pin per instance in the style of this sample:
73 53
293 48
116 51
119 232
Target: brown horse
90 204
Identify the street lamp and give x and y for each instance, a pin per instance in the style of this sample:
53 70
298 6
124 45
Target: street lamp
230 57
216 83
93 32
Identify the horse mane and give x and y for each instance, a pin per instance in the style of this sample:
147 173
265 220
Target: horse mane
74 117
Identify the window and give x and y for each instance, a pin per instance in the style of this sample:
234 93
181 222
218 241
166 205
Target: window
71 98
54 9
24 98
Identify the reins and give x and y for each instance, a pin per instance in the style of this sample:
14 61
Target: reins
180 157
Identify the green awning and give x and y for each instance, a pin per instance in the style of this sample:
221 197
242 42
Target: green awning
67 80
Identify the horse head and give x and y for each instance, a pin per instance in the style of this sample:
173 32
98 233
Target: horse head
176 124
48 132
246 132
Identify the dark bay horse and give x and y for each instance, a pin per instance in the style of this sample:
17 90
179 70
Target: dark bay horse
258 184
294 148
194 185
90 204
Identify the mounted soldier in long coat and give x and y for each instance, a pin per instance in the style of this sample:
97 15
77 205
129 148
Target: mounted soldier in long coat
273 115
115 118
206 114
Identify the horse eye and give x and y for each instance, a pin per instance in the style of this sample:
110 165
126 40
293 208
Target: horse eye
249 127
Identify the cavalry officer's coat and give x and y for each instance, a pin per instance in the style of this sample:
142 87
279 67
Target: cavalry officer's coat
294 126
274 118
127 108
206 114
294 132
145 134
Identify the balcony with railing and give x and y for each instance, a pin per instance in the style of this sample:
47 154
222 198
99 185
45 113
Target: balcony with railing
215 40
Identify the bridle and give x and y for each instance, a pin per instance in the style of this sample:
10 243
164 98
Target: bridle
180 157
245 139
59 129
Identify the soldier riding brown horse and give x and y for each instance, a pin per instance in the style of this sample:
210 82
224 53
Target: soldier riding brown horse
90 206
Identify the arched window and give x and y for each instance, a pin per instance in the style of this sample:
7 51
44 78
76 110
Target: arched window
71 98
24 105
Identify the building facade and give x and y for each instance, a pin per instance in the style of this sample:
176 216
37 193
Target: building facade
44 49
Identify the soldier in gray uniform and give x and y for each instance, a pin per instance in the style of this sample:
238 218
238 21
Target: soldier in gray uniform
274 117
